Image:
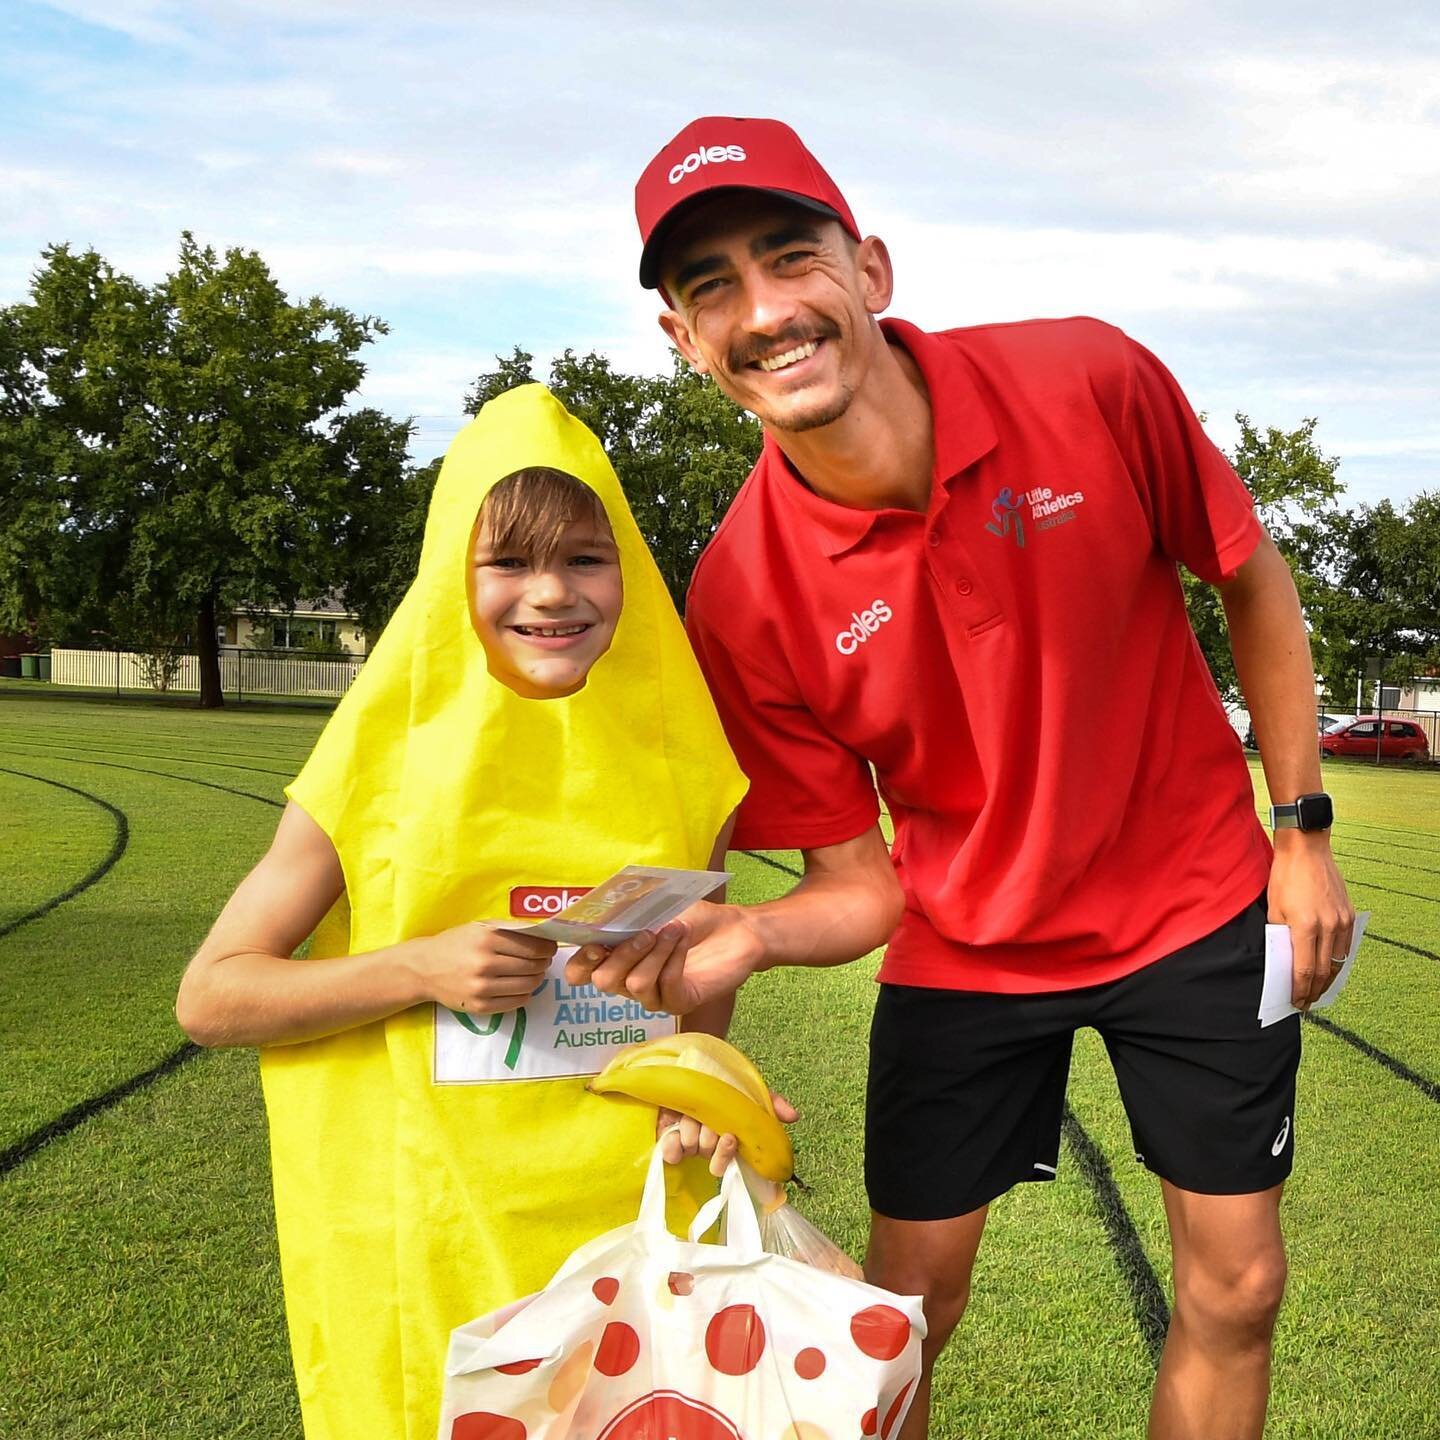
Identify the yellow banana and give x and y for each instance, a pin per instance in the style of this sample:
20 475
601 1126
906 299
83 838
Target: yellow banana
699 1075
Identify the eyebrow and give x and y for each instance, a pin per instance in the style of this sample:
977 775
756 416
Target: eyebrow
766 244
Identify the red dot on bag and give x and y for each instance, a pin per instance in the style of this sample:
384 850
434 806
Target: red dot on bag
519 1367
619 1349
482 1425
810 1364
735 1340
605 1289
681 1283
881 1331
869 1424
893 1413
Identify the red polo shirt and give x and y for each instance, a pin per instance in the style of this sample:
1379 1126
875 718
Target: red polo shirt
1070 801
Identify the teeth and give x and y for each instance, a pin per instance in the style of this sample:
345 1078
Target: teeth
550 630
790 357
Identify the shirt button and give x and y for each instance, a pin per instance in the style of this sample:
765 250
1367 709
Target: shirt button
933 537
963 587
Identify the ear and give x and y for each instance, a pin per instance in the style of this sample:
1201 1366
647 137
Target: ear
672 322
877 276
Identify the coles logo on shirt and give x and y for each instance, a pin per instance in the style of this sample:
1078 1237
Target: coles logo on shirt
536 902
863 624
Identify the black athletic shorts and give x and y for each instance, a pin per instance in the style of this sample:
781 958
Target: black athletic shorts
967 1090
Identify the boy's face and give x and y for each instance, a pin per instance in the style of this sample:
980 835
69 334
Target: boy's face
544 624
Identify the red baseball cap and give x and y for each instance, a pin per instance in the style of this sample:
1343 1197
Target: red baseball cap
725 152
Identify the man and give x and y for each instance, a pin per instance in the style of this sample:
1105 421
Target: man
955 562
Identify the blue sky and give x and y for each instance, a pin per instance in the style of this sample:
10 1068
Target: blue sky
1251 191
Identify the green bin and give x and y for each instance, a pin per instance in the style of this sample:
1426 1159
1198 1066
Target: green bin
29 667
44 666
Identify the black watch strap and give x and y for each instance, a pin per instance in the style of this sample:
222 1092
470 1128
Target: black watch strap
1309 812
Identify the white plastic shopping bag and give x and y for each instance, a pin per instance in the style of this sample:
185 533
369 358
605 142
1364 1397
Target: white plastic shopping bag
641 1336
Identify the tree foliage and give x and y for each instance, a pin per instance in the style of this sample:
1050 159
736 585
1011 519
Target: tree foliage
171 451
1296 492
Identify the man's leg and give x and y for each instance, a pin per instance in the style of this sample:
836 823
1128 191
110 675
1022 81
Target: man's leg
932 1258
1214 1378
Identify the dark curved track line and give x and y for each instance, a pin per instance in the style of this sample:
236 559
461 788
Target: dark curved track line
1402 945
166 775
1147 1295
77 1115
774 864
1382 860
179 759
117 849
1427 850
1427 1088
1386 890
1390 829
31 736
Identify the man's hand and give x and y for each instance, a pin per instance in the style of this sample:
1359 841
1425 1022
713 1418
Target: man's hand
479 968
687 1136
709 952
1307 894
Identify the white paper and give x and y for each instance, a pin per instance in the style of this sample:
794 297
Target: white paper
1280 972
639 897
562 1029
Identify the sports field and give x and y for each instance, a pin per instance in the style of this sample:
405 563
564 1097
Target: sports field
139 1291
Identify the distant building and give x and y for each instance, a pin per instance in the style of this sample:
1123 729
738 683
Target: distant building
322 624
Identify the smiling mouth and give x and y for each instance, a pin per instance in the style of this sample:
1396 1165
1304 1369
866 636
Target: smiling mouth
549 632
771 363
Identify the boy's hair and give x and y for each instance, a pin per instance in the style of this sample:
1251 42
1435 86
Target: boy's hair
529 511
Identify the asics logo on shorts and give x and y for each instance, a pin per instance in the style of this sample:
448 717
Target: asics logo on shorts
1281 1138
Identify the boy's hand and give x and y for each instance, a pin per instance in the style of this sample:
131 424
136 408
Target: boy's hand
708 952
479 968
687 1136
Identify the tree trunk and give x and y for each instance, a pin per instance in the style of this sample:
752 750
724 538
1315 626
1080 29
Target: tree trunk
208 647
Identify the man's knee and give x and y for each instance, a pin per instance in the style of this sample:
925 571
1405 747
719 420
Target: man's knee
933 1259
1241 1297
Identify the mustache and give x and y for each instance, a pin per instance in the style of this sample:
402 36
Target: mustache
777 344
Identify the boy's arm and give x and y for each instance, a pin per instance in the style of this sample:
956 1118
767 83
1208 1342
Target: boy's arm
243 987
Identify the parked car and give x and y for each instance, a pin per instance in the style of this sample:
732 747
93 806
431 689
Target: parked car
1369 735
1333 722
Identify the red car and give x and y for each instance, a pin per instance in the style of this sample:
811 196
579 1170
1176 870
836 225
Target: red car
1369 735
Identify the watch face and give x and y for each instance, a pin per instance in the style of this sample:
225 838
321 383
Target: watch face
1315 812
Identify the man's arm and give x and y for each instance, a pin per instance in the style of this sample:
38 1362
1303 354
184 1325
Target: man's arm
848 902
1272 658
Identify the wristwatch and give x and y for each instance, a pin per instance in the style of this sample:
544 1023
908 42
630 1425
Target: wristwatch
1309 812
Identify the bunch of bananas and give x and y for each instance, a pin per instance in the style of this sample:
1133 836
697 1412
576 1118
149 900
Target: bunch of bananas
699 1075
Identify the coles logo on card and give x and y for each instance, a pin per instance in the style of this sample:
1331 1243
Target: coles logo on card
537 902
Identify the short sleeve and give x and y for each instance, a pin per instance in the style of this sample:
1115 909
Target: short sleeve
1200 511
807 789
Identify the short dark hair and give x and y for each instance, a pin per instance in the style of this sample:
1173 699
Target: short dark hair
528 511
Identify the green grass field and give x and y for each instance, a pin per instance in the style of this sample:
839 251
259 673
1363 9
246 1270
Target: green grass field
139 1291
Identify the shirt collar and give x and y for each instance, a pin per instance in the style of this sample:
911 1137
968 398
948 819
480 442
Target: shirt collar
963 432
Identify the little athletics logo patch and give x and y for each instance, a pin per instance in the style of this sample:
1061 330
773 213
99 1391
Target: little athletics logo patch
561 1030
1042 507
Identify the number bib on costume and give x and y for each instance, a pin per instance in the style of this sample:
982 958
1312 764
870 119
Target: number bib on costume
561 1030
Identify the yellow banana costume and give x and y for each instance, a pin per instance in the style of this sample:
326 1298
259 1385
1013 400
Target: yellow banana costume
418 1184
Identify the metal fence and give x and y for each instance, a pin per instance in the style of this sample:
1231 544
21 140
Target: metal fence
244 673
1427 720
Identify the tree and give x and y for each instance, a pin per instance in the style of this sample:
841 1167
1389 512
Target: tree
680 448
181 447
1382 619
1296 489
